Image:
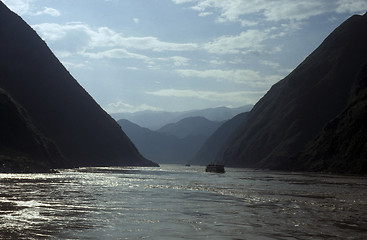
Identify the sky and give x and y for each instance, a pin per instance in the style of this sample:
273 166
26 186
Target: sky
178 55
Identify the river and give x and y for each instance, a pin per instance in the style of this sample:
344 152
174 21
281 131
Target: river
178 202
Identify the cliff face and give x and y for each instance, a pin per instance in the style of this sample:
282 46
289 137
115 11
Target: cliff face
58 106
296 109
341 147
22 147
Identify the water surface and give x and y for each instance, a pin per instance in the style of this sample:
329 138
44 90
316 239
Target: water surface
177 202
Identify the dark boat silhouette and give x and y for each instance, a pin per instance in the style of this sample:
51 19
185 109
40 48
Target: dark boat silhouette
217 168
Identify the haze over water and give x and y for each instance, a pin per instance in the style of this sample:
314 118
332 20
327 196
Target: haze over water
176 202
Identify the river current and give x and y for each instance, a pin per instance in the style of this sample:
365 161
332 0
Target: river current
177 202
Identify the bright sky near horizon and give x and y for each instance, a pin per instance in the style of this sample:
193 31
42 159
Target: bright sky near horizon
176 55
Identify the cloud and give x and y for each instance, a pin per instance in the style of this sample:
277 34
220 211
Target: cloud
25 7
179 61
270 64
19 6
240 76
250 39
237 97
351 6
121 106
48 11
272 10
106 37
115 53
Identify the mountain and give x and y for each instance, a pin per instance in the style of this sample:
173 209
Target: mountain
157 119
213 146
341 147
190 126
57 105
22 147
295 110
162 147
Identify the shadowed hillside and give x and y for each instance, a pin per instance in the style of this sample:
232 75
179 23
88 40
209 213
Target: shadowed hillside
296 109
57 105
342 145
22 147
213 146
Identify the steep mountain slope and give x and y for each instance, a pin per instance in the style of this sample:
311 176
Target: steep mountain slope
295 109
190 126
157 119
214 144
162 147
58 106
22 147
342 145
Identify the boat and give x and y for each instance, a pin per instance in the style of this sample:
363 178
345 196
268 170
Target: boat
217 168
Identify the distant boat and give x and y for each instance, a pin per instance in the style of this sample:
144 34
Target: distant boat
187 165
217 168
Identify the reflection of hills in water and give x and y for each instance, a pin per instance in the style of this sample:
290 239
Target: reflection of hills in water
176 202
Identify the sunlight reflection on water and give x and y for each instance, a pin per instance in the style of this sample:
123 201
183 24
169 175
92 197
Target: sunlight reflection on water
176 202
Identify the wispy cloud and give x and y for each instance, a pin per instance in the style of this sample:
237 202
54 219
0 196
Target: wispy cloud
250 39
19 6
106 37
49 11
121 106
351 6
237 97
273 10
25 7
241 76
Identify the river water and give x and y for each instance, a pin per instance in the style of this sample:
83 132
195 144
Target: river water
177 202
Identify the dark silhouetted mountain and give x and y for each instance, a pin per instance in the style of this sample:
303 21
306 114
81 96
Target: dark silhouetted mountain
157 119
296 109
22 147
342 145
162 147
191 126
213 146
57 105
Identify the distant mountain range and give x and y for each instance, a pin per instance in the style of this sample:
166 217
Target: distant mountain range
174 143
191 126
315 119
214 145
313 97
157 119
56 105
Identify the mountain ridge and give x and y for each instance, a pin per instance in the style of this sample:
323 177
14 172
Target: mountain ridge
58 106
170 146
296 108
157 119
213 146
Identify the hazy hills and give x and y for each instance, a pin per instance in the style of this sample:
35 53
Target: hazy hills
157 119
174 143
190 126
296 109
56 104
214 145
